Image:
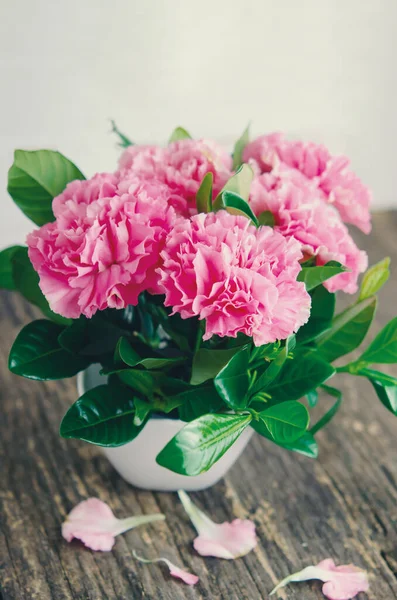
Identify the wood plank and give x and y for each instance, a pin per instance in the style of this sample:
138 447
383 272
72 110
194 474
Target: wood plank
343 505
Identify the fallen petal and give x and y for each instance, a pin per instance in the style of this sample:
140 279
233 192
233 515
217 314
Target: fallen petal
93 522
222 540
341 583
175 571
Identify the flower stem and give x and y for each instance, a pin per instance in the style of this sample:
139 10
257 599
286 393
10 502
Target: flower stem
132 522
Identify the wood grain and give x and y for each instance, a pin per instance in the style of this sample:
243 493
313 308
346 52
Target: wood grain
343 505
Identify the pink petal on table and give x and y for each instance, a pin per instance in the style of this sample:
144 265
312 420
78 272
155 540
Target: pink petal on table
93 522
341 583
224 540
175 571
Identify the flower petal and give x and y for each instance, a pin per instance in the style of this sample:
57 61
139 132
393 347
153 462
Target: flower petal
175 571
93 522
224 540
341 583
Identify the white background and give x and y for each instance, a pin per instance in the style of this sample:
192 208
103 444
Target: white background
320 69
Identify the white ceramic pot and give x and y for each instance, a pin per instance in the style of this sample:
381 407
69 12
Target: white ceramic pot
136 461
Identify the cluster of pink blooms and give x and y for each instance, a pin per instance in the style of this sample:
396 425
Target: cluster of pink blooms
119 234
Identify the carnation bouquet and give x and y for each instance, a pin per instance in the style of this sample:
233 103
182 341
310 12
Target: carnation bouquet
203 284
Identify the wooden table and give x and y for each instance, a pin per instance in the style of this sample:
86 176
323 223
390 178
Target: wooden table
343 505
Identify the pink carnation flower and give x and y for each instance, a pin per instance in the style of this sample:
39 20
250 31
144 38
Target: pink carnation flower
240 279
300 214
182 165
70 204
329 174
102 253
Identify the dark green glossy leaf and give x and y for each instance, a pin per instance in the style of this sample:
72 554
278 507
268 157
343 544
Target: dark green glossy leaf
198 401
179 133
382 378
26 281
331 412
204 194
126 353
124 141
90 337
208 363
142 410
387 395
321 314
166 404
236 205
348 330
283 423
374 279
383 349
183 332
239 183
232 382
299 376
102 417
239 148
35 178
314 276
266 218
6 278
141 381
274 368
36 353
267 351
305 445
201 443
385 387
312 398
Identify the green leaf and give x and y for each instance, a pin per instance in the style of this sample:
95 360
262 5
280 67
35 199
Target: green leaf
166 404
27 283
314 276
36 353
90 337
385 387
266 218
382 378
321 314
142 410
312 398
239 148
208 363
299 376
374 279
383 349
141 381
305 445
348 330
197 446
283 423
232 382
35 178
267 351
124 141
273 369
179 133
129 356
236 205
102 417
204 194
387 395
239 183
198 401
6 278
331 412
